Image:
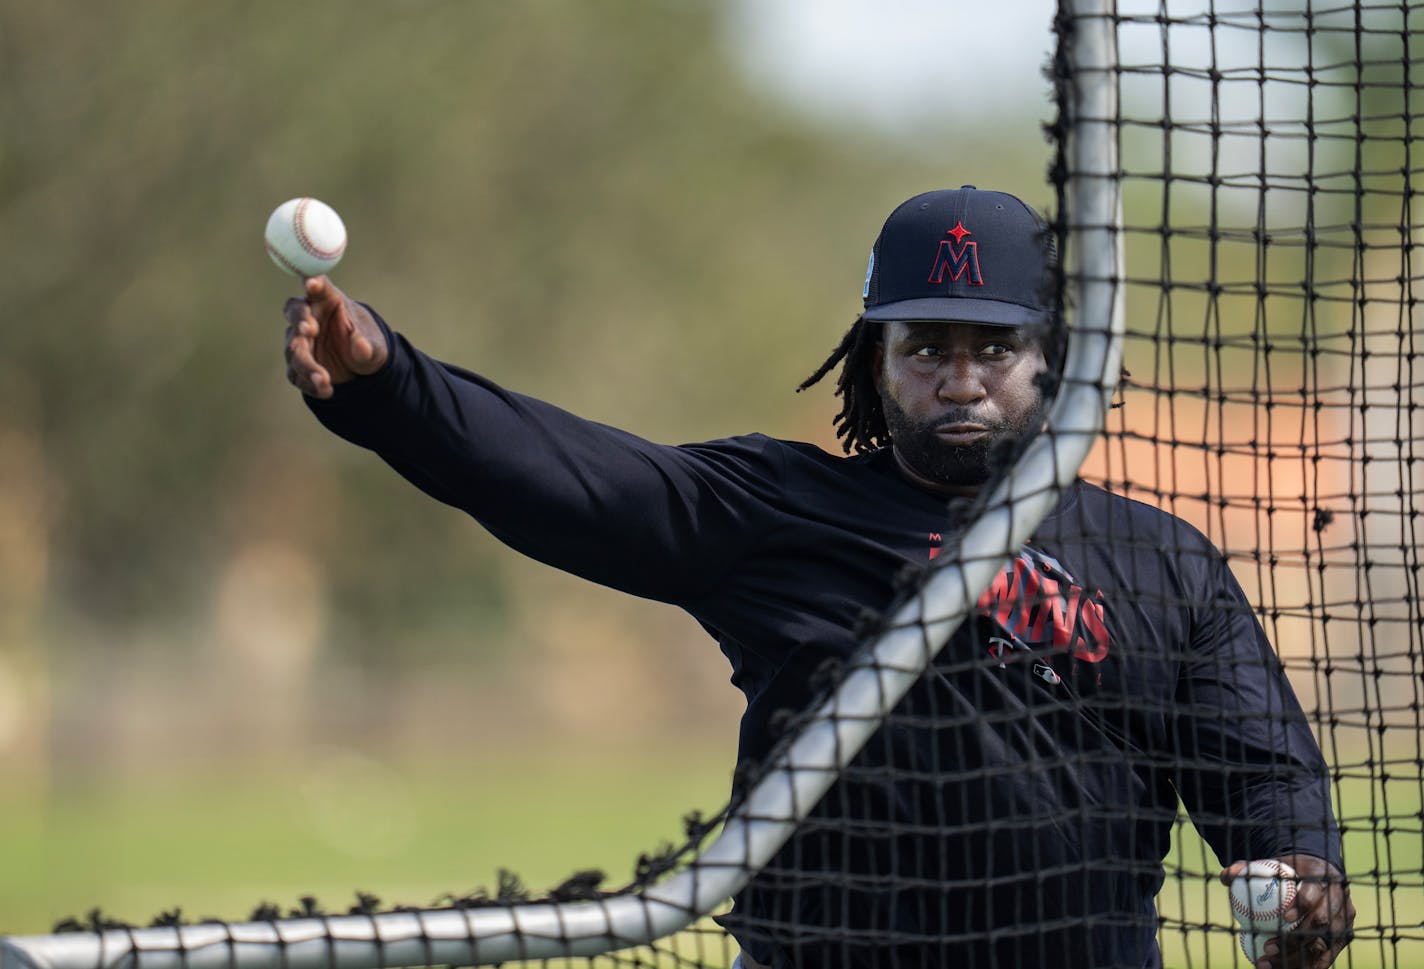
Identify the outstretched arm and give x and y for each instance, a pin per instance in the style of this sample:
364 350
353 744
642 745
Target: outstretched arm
650 519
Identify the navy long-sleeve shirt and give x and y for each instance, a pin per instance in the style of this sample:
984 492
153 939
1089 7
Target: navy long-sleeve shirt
1016 806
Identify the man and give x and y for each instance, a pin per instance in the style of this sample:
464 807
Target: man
1015 808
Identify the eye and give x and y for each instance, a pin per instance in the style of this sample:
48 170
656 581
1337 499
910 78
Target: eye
926 352
996 349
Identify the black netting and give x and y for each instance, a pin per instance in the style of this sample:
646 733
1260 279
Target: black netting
1269 188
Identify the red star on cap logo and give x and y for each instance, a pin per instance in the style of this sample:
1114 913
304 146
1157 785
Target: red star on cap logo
959 232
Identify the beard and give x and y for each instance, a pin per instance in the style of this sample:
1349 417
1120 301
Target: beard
958 465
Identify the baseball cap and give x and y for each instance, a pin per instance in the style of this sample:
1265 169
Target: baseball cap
962 255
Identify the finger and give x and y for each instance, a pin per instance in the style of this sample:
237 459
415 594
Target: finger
323 295
1317 901
302 327
297 311
1306 905
332 308
361 349
1304 944
321 384
1334 932
322 298
1320 954
313 383
1289 951
318 287
302 369
1327 913
1311 945
1292 955
300 349
1229 873
1310 951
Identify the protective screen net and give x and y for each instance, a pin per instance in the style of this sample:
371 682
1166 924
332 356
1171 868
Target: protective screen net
1210 651
1270 191
1144 698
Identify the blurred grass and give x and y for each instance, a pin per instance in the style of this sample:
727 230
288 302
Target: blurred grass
218 844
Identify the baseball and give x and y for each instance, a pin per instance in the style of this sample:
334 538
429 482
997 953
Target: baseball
1253 944
1261 894
305 237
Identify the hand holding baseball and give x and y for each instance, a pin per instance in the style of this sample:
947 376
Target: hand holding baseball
330 339
1315 924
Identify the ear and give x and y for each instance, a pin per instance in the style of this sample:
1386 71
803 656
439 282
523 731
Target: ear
877 365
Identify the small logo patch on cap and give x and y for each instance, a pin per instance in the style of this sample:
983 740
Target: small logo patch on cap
869 271
957 258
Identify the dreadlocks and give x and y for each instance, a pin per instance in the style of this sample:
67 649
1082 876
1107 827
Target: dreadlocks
861 423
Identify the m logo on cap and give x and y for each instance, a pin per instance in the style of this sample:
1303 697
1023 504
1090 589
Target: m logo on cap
958 258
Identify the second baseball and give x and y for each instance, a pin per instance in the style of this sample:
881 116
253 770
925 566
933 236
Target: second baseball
305 237
1253 945
1261 895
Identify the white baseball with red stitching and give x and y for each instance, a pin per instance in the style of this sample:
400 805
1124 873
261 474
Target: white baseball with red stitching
305 237
1261 895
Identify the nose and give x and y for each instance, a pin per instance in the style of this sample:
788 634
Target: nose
961 381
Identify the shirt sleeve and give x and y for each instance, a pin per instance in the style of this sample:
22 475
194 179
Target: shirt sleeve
658 521
1249 770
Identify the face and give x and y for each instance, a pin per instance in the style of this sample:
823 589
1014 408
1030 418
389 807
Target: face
954 394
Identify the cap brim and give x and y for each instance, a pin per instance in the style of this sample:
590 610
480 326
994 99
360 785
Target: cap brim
957 309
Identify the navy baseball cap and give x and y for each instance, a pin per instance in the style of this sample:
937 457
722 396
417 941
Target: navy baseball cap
961 255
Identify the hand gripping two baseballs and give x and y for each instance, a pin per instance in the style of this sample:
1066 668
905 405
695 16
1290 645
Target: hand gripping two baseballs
330 339
1289 917
1260 897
